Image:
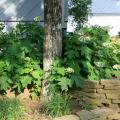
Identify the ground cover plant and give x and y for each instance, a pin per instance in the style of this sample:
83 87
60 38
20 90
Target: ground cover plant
11 109
58 106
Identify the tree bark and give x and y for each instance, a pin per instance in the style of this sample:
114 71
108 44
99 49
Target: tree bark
52 41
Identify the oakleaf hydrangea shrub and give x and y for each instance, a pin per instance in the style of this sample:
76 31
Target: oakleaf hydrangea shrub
88 53
60 77
21 58
92 54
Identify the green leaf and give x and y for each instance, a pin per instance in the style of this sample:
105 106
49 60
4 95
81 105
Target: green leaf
4 85
60 70
108 73
93 75
64 82
77 79
76 67
40 72
25 70
2 64
86 51
57 63
26 80
33 95
38 82
116 73
51 78
35 74
70 54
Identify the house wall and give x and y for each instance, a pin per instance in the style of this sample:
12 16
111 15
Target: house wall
70 24
13 11
104 13
111 20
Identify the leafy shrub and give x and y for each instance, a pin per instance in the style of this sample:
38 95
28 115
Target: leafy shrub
10 109
21 58
88 53
91 54
60 76
59 105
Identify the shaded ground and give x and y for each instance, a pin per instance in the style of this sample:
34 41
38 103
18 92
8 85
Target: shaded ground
35 111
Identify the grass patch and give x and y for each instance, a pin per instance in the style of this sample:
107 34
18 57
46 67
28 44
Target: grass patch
11 109
58 106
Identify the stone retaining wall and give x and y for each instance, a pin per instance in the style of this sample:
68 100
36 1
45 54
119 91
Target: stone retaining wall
99 94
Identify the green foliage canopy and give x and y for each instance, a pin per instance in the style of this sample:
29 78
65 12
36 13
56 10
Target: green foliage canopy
80 9
92 54
89 53
21 58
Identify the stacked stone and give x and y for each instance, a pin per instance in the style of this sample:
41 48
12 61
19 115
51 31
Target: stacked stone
98 114
104 93
101 94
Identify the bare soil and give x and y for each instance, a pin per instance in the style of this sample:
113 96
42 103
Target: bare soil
34 110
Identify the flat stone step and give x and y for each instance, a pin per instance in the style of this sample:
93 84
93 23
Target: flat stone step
68 117
96 114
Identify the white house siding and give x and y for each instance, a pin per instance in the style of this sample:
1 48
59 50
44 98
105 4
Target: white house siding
112 21
104 13
13 11
71 25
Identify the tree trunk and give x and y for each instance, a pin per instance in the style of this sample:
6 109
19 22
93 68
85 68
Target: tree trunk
52 40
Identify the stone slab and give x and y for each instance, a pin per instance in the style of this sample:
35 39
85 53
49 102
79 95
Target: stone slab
105 112
85 115
110 82
108 91
94 95
114 107
89 90
114 117
111 87
100 118
113 96
97 102
116 101
90 95
92 84
96 114
68 117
